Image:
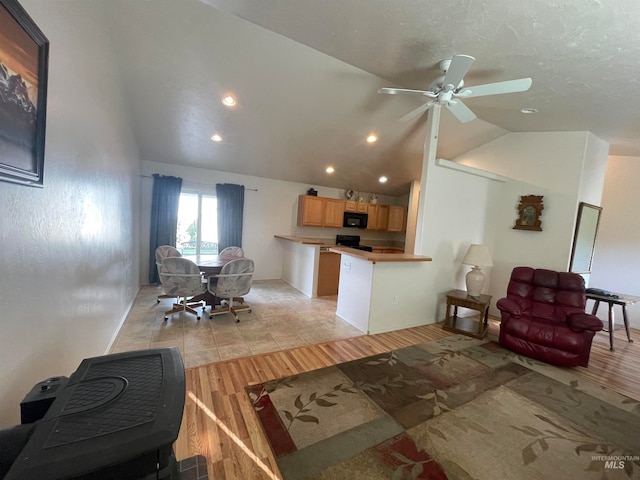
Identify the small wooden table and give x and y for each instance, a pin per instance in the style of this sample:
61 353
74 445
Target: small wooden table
465 325
622 300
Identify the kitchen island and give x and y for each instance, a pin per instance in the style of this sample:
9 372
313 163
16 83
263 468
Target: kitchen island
377 292
381 292
301 263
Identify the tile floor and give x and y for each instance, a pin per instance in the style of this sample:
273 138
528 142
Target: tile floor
281 317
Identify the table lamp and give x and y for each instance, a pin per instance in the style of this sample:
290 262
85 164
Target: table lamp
478 256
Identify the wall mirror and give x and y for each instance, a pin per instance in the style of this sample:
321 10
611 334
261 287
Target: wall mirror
584 238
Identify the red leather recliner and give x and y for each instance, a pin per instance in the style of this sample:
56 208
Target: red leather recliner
543 317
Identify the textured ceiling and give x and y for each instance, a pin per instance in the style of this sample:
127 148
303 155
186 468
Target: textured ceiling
306 74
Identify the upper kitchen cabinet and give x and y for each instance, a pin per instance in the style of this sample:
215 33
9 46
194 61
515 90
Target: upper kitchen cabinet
333 212
378 217
397 218
353 206
329 213
310 211
320 212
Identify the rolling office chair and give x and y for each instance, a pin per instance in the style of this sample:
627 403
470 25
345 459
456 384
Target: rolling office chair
233 281
233 251
162 252
181 278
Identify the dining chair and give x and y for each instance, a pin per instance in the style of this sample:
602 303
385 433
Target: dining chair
233 281
181 278
232 252
162 252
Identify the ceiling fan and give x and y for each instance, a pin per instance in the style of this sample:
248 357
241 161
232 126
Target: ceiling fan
446 89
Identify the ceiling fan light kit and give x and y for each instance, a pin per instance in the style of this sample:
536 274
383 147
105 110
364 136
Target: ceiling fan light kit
443 90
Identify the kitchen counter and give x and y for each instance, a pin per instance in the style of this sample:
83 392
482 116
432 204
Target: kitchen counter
379 257
303 240
382 292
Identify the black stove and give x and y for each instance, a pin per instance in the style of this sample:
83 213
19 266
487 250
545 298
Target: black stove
352 241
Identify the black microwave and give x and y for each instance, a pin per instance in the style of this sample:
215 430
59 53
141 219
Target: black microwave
355 220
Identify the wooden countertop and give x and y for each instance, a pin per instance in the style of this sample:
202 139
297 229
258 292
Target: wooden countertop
306 241
380 257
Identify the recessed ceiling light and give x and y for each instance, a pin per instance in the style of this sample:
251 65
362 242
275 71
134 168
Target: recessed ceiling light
529 110
383 179
330 170
372 138
216 138
229 101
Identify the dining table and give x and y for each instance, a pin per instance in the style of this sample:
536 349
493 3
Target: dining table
209 264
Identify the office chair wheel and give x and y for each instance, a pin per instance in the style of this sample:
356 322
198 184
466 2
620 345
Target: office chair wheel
166 318
237 319
198 317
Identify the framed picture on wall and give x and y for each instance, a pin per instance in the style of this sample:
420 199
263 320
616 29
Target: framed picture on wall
24 56
529 211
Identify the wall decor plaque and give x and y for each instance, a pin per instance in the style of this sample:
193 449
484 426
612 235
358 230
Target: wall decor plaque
529 211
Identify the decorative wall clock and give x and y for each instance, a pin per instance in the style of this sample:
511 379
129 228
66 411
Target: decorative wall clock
529 211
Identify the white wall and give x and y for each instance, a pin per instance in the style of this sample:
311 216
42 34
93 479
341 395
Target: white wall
616 260
69 257
456 209
272 210
564 167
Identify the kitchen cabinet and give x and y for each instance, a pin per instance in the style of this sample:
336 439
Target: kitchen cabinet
353 206
328 274
329 213
333 213
372 216
382 219
310 211
378 217
397 218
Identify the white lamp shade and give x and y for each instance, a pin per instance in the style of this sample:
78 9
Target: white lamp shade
478 255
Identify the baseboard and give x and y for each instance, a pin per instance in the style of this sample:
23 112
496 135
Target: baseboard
121 322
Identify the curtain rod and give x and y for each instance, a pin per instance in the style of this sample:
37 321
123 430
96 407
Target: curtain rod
201 184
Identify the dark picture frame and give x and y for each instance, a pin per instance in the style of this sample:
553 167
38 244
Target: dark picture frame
24 63
529 211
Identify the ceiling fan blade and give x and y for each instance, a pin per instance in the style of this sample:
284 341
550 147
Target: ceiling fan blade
461 111
394 91
458 68
415 113
510 86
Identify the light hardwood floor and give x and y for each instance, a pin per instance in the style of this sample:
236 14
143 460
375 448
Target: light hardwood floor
220 424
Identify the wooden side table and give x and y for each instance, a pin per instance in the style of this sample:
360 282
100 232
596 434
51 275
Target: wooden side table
619 299
467 325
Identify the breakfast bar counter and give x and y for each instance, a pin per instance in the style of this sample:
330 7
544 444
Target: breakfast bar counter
382 292
379 257
303 240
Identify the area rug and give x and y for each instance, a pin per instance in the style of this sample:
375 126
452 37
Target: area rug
455 408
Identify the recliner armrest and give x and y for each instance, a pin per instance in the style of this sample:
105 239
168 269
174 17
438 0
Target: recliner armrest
584 321
509 306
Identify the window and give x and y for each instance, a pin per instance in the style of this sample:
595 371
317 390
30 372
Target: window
197 224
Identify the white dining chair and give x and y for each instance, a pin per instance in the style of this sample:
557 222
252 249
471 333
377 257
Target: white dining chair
232 252
181 278
233 281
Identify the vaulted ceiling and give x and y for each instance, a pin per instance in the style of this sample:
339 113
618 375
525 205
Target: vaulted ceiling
306 73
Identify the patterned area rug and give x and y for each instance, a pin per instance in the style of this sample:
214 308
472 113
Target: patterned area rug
456 408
